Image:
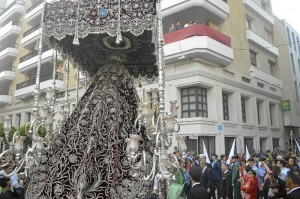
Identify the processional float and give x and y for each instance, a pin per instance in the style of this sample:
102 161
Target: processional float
112 145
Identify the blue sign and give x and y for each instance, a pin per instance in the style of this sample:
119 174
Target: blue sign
220 127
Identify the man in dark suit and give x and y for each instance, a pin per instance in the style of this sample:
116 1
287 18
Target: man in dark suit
226 185
293 183
216 175
281 187
195 191
205 180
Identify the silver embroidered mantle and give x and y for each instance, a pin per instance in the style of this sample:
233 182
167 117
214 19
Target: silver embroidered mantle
88 159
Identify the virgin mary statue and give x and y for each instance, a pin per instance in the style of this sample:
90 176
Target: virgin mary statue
88 159
112 41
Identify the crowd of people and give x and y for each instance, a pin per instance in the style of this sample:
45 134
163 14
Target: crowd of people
258 177
178 26
236 177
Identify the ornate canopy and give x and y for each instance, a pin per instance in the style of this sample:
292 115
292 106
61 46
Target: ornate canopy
90 32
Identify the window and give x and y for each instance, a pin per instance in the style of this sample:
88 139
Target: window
253 58
194 102
261 112
225 106
249 24
228 144
244 119
289 37
258 112
275 143
263 6
209 142
293 64
260 85
249 143
197 144
18 120
269 35
28 117
296 91
294 41
272 68
272 114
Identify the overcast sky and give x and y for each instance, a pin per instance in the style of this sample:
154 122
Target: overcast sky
288 10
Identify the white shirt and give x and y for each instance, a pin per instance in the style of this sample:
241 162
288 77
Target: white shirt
293 190
13 179
195 184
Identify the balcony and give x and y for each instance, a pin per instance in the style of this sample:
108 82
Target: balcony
9 32
254 7
25 89
30 37
7 54
198 41
198 10
34 13
30 61
12 13
258 40
5 98
266 77
6 76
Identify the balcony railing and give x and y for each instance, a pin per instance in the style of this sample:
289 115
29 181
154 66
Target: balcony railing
28 32
45 77
11 5
197 30
32 54
9 46
34 6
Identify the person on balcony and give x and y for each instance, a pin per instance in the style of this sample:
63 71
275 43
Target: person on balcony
189 23
178 25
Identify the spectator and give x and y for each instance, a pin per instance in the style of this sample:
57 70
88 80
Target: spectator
171 29
196 189
189 23
216 174
205 180
5 185
197 161
178 26
279 157
269 155
292 164
283 170
14 180
202 157
226 185
280 191
235 177
250 188
252 164
223 159
293 183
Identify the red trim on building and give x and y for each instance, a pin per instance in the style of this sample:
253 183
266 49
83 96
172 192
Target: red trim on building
197 30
